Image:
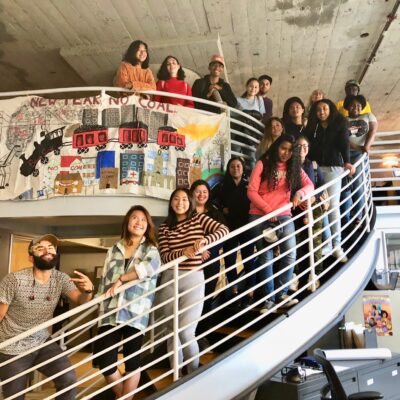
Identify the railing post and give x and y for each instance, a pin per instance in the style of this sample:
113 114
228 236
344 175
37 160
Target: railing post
176 324
310 217
365 191
152 334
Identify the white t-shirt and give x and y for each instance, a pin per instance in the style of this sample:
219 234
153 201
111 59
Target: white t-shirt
359 127
256 104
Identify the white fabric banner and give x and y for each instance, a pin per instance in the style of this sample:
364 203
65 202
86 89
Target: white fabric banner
105 145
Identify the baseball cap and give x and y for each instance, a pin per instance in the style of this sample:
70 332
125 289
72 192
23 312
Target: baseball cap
49 237
352 82
217 58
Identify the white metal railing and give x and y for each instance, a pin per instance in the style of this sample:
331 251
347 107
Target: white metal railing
227 312
226 306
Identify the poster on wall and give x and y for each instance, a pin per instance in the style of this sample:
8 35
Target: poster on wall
103 145
378 314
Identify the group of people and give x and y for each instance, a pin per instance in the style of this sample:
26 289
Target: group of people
296 155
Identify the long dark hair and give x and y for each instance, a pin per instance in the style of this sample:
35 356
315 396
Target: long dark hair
285 115
334 116
227 177
130 55
150 233
163 73
208 206
293 166
171 221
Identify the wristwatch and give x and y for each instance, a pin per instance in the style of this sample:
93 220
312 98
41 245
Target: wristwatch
90 291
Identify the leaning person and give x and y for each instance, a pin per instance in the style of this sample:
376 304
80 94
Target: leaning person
184 233
277 180
28 298
134 257
134 72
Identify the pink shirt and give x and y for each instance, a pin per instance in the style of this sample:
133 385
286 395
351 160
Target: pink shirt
264 201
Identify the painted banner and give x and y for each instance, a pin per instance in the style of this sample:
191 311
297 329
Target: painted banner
105 145
378 314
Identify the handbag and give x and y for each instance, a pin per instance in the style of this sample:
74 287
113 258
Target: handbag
324 196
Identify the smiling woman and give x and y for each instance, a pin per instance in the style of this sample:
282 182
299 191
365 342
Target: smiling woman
184 233
134 72
134 257
172 79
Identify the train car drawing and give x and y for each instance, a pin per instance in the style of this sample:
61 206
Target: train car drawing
168 136
85 137
52 142
131 133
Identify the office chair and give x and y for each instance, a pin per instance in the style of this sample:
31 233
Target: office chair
334 385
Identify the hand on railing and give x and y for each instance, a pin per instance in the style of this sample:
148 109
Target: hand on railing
112 290
350 168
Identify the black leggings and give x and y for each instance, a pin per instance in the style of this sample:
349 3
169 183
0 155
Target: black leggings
111 356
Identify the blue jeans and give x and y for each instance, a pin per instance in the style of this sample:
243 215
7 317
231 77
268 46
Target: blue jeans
267 257
346 205
358 191
330 173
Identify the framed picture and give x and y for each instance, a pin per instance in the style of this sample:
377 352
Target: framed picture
98 272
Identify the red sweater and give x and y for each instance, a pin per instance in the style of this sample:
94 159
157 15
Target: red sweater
264 201
174 85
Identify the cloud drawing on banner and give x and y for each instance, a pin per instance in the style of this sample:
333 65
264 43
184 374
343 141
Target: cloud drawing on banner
199 131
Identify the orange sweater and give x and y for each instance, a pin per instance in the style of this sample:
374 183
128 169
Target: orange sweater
141 79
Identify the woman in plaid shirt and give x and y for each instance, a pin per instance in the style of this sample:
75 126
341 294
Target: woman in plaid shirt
134 257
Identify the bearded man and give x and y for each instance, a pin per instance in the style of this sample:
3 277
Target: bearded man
28 298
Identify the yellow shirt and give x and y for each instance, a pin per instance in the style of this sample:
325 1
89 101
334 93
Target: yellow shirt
345 113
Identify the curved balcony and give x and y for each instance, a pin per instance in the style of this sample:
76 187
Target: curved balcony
273 338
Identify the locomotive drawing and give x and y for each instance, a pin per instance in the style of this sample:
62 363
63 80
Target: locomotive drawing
52 142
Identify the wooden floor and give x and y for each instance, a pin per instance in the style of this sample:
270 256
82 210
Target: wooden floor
97 383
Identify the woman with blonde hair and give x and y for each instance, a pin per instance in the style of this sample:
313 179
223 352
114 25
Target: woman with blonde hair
273 129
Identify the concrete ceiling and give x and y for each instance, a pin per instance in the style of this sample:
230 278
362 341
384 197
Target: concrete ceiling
302 44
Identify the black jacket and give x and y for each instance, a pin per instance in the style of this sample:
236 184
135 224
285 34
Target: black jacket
329 147
227 195
200 89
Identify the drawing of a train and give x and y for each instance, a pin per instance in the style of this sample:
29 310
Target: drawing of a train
90 136
132 133
129 134
52 141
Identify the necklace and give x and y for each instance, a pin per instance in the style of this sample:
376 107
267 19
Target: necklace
32 296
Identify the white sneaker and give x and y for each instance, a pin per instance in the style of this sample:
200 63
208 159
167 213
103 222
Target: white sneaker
317 284
270 235
339 255
294 286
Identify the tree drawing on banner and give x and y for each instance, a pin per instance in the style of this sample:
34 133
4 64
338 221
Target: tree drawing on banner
221 141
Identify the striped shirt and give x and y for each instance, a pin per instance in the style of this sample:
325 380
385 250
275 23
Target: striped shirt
173 241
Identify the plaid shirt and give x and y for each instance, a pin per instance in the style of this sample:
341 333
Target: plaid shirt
145 262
